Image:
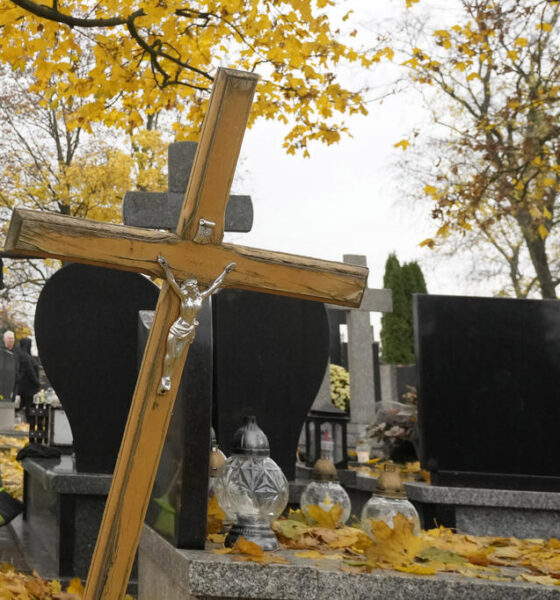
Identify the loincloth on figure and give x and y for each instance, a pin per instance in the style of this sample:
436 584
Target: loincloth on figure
182 329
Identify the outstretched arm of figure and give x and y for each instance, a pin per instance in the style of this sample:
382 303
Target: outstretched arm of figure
169 275
219 280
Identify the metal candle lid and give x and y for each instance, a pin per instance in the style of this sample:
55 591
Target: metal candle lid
250 439
390 484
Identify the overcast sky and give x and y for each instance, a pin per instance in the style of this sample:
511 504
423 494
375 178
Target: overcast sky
344 199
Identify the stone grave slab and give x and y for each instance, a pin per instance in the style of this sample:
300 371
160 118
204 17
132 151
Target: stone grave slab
86 329
489 377
167 573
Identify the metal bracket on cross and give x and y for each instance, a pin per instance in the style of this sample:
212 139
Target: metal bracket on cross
133 249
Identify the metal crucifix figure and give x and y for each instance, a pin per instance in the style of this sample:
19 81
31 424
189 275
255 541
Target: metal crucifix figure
183 329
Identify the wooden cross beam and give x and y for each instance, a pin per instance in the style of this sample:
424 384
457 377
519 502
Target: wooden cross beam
194 251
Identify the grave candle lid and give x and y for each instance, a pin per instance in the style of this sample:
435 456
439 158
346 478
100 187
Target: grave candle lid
250 439
324 469
217 457
390 483
388 502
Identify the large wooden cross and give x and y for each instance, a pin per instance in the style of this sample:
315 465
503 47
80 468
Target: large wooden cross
195 250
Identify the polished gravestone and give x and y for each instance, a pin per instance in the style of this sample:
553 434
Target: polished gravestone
86 329
489 376
178 505
270 356
255 354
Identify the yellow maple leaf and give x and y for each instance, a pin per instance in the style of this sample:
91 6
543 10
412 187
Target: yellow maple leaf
404 144
216 516
324 518
543 231
396 546
244 546
75 587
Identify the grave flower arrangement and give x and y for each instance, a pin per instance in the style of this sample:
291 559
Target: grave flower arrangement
340 387
394 428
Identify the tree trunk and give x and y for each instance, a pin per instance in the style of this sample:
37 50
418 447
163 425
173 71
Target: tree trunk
537 252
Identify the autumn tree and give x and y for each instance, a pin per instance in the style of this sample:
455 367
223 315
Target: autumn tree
47 165
153 56
495 179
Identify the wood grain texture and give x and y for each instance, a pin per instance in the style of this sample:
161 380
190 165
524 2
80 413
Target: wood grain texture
136 249
137 463
217 153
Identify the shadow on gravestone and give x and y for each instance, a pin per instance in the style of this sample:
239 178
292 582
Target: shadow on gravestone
270 356
86 330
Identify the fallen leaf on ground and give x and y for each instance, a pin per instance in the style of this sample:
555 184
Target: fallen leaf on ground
396 546
216 516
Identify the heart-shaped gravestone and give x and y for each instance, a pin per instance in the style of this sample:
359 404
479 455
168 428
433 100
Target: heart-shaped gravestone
86 326
270 356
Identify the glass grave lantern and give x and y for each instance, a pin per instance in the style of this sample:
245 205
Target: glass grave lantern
387 501
324 494
251 487
328 420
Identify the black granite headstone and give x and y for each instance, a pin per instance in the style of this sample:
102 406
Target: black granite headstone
489 382
86 326
259 355
338 353
179 499
270 356
7 374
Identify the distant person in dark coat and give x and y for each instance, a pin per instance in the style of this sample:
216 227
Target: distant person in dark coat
27 382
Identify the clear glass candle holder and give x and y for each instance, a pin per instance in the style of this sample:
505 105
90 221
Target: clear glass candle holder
251 488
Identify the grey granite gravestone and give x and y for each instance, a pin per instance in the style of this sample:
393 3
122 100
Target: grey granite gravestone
361 353
160 210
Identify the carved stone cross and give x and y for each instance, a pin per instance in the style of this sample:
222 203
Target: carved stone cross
161 210
194 251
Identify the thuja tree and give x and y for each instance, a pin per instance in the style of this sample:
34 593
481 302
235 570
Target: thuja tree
397 332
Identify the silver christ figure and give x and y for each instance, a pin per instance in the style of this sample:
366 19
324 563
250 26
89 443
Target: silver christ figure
182 331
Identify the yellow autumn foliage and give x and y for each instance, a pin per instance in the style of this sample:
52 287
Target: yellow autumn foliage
215 516
122 60
324 518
